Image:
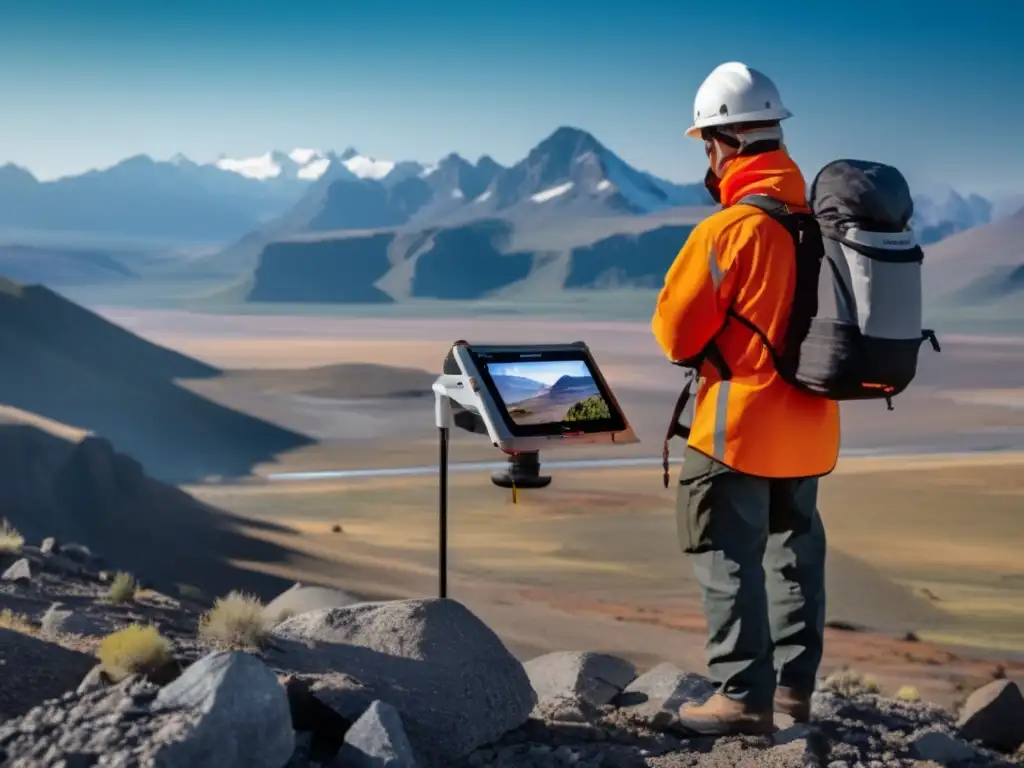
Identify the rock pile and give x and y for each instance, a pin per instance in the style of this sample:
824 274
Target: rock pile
425 683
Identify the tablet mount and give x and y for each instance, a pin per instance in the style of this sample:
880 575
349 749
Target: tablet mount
523 397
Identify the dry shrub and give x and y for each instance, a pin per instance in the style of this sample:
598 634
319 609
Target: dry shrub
908 693
16 622
134 650
235 621
123 588
849 682
11 541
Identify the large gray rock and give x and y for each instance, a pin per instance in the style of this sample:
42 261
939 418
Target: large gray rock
994 715
377 740
450 677
61 620
664 688
241 714
941 748
566 676
20 572
302 599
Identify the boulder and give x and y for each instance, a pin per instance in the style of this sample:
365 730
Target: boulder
941 748
241 714
664 688
324 728
568 676
49 546
994 715
377 740
451 679
80 554
61 620
20 572
302 599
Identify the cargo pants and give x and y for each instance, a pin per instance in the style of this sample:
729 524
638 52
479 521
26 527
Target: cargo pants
758 551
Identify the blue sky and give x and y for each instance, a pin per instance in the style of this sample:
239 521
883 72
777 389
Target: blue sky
546 373
931 87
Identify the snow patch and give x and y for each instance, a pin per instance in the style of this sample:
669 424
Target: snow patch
484 197
315 169
603 184
457 194
303 156
262 167
368 168
550 194
428 170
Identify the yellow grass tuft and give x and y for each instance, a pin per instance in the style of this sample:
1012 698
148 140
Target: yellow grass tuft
908 693
122 588
235 621
849 682
134 650
11 541
16 622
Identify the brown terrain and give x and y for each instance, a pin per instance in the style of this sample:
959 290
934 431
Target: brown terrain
925 579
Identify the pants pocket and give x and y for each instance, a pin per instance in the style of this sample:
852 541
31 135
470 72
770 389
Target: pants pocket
693 503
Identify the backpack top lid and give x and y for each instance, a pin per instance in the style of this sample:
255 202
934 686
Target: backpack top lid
862 195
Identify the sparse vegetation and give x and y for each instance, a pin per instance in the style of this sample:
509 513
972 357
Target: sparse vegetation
16 622
123 588
134 650
908 693
336 528
11 541
235 621
588 409
850 682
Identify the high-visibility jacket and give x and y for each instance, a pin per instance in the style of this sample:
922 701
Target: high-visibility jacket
739 258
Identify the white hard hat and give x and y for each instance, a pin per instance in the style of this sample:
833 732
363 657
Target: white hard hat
735 93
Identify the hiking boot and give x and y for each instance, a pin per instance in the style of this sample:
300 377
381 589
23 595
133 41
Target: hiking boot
796 704
722 716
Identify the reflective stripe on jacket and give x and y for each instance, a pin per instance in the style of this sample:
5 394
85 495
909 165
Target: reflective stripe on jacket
739 257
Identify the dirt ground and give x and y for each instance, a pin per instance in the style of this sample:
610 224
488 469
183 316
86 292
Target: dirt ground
924 545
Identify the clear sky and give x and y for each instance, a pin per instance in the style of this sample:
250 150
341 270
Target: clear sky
935 87
544 372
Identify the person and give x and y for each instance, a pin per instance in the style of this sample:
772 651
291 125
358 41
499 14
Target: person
747 499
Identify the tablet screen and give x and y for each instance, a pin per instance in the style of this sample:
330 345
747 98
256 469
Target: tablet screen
543 393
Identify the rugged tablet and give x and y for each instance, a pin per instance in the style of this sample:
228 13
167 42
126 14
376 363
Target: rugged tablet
531 397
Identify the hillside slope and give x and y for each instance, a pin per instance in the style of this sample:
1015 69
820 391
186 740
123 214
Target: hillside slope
60 266
467 262
69 365
979 266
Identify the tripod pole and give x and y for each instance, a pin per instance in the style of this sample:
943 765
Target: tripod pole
442 513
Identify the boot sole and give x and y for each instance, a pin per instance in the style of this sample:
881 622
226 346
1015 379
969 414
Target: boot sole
722 728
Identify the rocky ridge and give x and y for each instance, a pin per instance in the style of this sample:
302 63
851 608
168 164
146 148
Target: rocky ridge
338 682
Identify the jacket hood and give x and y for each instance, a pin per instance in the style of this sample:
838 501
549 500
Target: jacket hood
769 173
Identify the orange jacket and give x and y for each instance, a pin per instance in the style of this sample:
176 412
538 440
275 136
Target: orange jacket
754 423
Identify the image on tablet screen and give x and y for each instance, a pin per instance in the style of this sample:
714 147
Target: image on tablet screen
548 391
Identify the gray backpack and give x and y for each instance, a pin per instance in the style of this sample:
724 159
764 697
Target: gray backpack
855 327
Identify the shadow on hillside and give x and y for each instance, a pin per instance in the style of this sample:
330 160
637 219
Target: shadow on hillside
87 493
72 366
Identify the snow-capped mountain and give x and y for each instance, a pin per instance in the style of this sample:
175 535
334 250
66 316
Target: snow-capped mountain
308 165
572 169
941 212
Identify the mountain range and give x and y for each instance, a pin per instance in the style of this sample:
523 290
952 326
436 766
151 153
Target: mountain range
320 226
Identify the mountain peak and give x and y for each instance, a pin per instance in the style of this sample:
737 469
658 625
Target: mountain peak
11 173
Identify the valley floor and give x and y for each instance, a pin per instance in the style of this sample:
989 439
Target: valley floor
927 545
